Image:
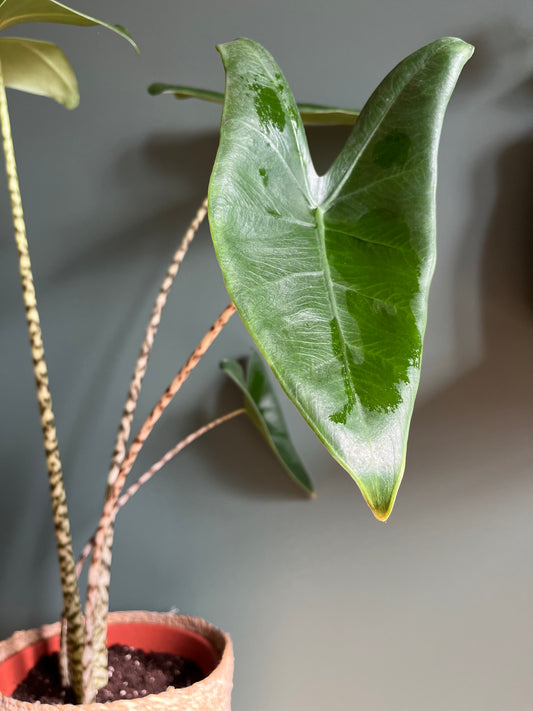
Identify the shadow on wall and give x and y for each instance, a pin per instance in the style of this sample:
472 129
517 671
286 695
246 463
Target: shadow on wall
186 162
476 434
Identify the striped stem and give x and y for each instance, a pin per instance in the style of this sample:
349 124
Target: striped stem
130 405
71 598
95 664
134 488
97 602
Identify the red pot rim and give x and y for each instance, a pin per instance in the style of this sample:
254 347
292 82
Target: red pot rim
145 634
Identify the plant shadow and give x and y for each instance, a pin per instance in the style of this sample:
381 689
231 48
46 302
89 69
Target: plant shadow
181 160
475 434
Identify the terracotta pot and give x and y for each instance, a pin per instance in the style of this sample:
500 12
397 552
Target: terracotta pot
190 637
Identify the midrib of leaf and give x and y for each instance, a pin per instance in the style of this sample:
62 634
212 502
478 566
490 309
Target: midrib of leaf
20 19
372 184
321 243
49 15
45 60
45 17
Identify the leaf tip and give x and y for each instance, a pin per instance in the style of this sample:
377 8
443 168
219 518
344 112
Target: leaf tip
72 104
381 509
381 499
382 514
121 30
70 100
226 47
459 47
156 88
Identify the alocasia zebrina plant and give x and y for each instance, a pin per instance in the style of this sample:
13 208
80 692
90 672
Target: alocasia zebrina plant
330 273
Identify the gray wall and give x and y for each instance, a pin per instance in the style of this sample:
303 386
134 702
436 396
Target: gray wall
429 612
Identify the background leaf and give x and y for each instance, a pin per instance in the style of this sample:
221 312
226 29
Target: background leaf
263 408
16 12
312 114
331 274
38 68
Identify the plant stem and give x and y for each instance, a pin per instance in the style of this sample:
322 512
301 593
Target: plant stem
134 488
95 655
71 598
130 405
168 396
97 602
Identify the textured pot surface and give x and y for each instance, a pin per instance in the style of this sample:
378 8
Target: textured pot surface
190 637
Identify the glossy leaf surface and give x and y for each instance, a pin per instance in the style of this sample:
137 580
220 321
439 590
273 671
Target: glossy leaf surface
38 68
16 12
312 114
263 408
331 273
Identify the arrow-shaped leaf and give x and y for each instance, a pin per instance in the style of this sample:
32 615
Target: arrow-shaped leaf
16 12
38 68
263 409
331 273
312 114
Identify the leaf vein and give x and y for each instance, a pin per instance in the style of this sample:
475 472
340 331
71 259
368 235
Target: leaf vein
366 241
280 155
406 83
34 50
301 145
374 299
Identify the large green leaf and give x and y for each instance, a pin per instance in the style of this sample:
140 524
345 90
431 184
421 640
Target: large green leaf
16 12
263 409
38 68
312 114
331 273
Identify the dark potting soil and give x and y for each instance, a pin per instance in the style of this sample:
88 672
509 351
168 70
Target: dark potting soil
132 674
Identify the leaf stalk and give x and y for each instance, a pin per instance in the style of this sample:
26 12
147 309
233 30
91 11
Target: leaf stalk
97 601
145 478
71 598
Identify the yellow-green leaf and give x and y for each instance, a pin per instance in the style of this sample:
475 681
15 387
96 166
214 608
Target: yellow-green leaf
17 12
38 68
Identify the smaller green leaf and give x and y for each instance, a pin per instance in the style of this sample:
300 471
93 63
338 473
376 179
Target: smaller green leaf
38 68
263 408
312 114
186 92
318 115
17 12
